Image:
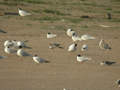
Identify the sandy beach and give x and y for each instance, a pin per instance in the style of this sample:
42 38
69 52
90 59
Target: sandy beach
62 71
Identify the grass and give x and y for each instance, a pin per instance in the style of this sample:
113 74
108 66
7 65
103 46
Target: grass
37 11
115 0
28 24
75 20
85 26
93 4
34 1
60 27
115 20
10 3
31 1
116 12
20 2
53 12
109 9
46 18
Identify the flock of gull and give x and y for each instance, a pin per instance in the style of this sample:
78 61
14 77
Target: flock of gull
17 47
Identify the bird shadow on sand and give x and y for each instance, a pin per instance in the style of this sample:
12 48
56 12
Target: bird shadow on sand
46 61
11 13
2 31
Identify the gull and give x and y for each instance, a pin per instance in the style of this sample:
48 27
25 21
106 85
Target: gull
105 26
118 82
9 50
64 88
1 57
14 43
19 44
75 37
84 47
70 32
82 58
54 45
103 45
37 59
2 31
21 52
87 37
8 43
107 63
22 12
72 47
50 35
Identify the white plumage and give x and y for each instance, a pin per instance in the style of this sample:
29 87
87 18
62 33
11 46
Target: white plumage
50 35
14 43
9 50
22 12
87 37
105 26
38 59
70 32
8 43
19 44
72 47
75 37
82 58
21 52
103 45
84 47
118 82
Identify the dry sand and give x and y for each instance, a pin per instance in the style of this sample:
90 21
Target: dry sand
63 71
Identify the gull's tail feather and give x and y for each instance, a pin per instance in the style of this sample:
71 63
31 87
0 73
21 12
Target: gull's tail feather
89 58
92 38
29 14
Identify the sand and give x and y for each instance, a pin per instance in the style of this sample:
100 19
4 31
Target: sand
62 71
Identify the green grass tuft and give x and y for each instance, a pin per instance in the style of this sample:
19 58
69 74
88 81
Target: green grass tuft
35 1
53 12
75 20
115 20
46 18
